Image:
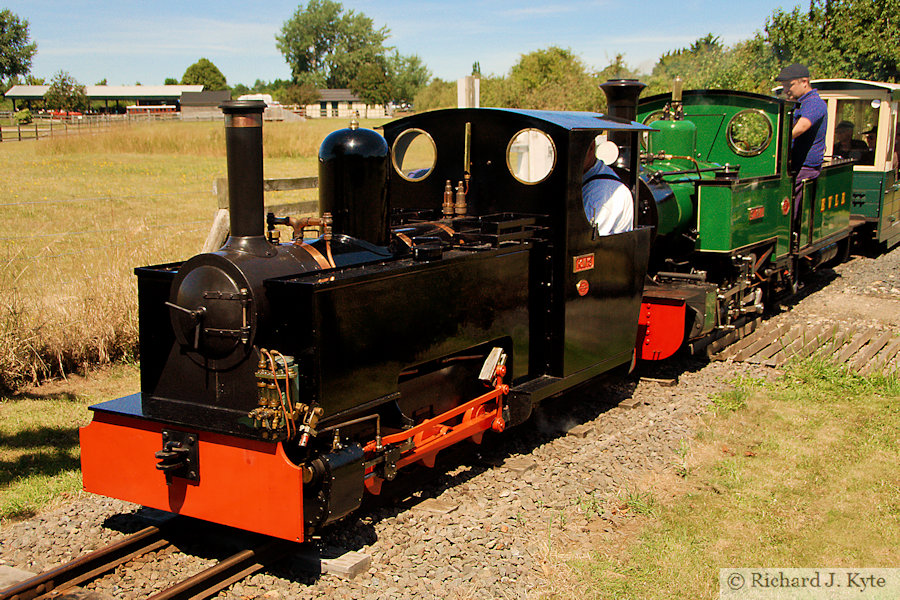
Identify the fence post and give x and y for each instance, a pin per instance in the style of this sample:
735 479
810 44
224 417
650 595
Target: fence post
19 130
36 136
219 230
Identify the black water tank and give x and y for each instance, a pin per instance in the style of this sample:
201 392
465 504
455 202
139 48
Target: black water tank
353 183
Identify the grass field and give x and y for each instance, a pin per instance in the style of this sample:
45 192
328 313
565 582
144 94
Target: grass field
801 472
78 213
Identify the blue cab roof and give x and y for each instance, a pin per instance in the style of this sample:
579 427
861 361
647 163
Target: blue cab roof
569 120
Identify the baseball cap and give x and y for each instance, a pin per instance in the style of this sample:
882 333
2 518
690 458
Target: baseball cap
794 71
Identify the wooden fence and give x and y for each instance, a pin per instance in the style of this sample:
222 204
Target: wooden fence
218 233
41 128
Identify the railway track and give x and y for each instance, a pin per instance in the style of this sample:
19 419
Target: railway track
864 350
70 579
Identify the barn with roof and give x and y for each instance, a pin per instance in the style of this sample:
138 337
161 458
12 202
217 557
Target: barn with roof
115 98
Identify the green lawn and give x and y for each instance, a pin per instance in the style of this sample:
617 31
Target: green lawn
802 472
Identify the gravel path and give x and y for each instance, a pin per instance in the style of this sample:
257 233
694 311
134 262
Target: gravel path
491 521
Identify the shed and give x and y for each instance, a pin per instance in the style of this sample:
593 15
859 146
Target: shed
139 94
203 106
342 102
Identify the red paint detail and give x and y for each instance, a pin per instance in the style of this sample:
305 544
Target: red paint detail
757 212
466 421
246 484
373 484
585 262
660 328
785 206
582 287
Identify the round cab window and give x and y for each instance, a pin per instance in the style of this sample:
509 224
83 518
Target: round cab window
531 156
414 155
749 132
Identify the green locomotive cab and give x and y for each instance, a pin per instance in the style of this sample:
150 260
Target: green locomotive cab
716 184
862 125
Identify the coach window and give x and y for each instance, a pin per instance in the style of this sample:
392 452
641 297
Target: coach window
531 156
414 155
749 132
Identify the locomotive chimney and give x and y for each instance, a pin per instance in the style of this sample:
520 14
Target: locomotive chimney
621 101
243 143
621 97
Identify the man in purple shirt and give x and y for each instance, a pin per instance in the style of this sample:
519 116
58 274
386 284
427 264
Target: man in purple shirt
808 130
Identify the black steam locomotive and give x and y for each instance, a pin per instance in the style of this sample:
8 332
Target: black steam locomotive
455 282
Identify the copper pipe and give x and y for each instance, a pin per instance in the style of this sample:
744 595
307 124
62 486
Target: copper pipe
287 380
287 421
328 254
327 235
299 224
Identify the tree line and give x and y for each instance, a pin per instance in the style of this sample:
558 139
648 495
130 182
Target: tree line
326 46
857 39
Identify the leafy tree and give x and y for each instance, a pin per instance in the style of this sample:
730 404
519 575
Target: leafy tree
494 92
101 82
32 80
437 94
15 50
476 69
65 93
372 83
407 74
301 95
205 73
617 69
170 81
238 90
554 79
326 47
840 38
709 64
695 64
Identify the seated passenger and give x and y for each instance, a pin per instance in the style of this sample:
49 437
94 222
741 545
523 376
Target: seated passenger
608 203
844 144
868 157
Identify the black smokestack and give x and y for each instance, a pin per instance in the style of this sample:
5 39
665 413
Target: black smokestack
621 102
621 97
243 143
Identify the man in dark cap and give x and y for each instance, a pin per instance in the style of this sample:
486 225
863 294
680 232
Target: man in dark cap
808 130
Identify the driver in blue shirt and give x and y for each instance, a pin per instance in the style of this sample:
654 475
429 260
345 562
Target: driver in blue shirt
808 130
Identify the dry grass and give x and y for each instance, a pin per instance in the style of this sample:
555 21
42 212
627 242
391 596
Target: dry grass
280 140
78 213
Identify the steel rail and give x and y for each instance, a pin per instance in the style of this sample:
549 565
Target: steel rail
234 568
87 567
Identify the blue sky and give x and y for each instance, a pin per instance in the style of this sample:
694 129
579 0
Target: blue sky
128 42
